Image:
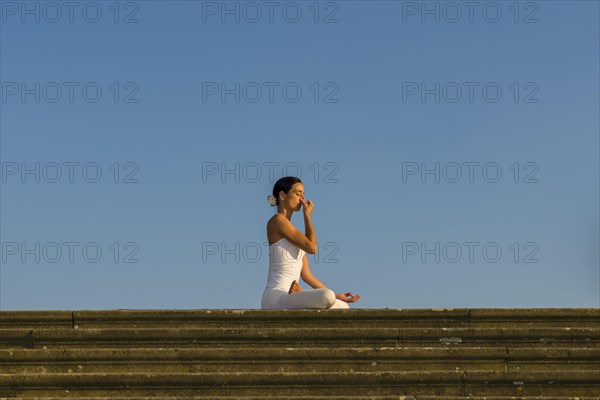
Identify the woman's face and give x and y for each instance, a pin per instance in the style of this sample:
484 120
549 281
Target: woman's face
294 196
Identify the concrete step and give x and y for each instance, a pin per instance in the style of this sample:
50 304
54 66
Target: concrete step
326 354
316 336
296 359
438 383
356 317
332 397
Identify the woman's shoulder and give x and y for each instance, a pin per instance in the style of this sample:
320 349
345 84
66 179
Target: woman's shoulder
273 228
276 217
274 220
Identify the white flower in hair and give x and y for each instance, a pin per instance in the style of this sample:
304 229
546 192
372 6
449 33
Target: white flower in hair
272 200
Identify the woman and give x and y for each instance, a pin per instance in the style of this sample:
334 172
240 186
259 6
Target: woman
287 255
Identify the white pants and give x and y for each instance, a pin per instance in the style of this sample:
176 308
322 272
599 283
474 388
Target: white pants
276 299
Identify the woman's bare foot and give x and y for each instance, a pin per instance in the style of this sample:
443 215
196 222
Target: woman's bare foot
294 287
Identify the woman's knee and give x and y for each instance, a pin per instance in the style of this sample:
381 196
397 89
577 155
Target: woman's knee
329 297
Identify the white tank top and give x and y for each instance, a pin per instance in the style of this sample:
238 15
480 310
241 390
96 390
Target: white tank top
285 264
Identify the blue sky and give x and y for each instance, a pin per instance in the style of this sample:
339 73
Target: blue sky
452 153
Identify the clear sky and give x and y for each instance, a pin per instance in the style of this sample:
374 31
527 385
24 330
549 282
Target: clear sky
451 150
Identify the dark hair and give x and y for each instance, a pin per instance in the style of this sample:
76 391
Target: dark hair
284 184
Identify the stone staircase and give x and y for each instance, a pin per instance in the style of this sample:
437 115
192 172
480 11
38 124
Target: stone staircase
420 354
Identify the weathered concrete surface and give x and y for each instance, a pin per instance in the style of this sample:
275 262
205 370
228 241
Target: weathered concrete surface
360 359
458 317
309 354
332 397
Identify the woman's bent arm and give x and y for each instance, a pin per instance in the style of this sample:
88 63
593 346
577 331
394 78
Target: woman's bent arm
309 231
291 233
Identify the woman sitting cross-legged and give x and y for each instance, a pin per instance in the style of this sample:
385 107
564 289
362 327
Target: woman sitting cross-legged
287 255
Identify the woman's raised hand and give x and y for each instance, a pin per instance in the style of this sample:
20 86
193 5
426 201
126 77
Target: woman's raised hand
307 207
347 297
